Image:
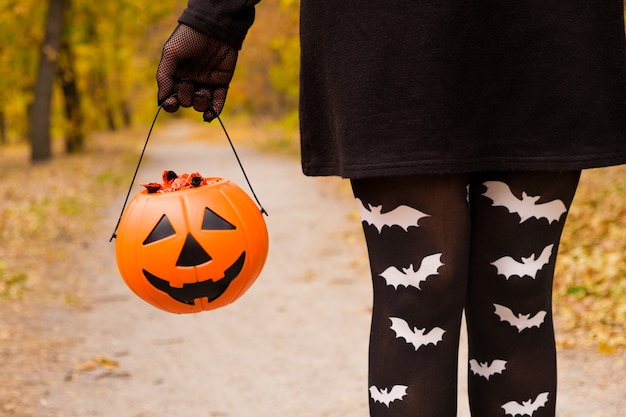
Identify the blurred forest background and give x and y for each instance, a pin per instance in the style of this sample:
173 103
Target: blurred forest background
72 67
77 91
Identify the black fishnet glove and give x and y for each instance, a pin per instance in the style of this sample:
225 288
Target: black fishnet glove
195 70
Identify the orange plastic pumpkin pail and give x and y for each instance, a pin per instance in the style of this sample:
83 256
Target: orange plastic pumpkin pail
193 249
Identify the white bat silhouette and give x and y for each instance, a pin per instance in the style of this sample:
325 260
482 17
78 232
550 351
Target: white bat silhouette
487 370
386 396
415 336
403 216
525 408
529 267
521 321
527 207
410 277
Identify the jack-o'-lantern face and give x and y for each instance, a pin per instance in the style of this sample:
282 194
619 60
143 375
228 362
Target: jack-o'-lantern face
193 254
191 250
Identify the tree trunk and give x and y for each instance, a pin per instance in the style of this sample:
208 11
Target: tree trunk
74 130
126 114
40 110
110 117
74 133
3 129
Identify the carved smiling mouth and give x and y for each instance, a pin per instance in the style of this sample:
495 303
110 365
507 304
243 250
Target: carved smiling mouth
210 289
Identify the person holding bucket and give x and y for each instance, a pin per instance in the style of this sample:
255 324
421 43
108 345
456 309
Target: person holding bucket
463 128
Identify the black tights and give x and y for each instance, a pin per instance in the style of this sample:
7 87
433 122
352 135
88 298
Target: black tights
485 243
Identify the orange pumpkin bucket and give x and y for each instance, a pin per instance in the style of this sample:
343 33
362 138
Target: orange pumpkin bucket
191 247
190 244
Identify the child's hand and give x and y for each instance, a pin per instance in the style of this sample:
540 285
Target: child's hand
195 70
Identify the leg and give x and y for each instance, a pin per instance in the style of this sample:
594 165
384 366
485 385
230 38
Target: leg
509 315
419 260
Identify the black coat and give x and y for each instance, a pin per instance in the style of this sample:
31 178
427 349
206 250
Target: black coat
401 87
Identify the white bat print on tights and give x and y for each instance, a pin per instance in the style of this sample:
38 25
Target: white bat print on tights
411 277
528 267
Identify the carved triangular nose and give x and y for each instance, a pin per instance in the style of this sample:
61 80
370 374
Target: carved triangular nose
192 253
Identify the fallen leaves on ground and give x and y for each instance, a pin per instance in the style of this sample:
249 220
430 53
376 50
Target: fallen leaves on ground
48 212
48 209
590 284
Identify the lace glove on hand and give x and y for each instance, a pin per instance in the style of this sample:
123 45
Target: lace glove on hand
195 70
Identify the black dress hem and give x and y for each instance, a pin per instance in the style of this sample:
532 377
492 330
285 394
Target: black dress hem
453 166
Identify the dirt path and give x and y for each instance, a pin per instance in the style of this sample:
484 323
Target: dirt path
295 345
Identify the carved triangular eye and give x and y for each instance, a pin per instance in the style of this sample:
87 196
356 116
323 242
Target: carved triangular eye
213 221
162 230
